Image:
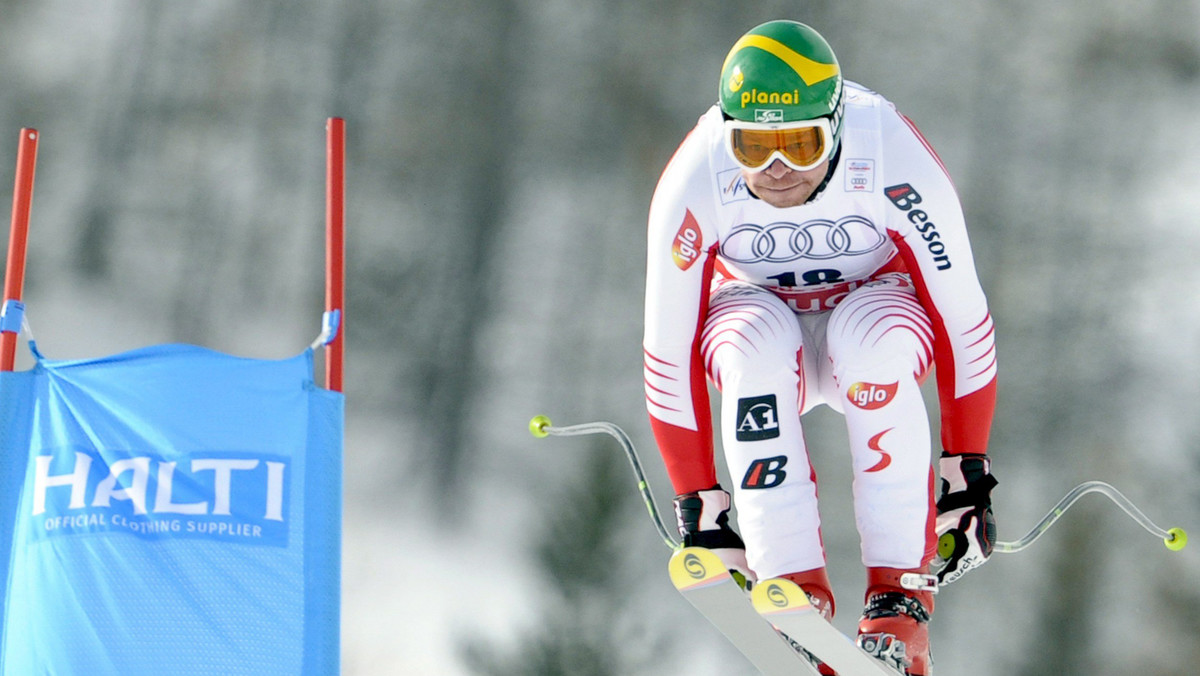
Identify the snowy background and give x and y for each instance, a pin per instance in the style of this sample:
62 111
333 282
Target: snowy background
501 158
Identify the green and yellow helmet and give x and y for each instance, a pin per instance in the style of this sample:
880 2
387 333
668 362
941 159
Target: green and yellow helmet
782 71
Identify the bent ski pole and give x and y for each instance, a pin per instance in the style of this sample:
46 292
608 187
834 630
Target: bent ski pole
541 428
1175 538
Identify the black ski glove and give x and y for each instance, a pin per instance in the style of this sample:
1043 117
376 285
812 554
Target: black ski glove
703 518
965 525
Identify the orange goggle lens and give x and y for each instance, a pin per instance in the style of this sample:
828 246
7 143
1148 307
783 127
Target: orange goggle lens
803 147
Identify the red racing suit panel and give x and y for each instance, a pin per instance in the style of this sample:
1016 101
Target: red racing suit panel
928 228
681 256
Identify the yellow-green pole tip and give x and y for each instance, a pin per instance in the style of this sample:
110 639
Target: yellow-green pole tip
1176 540
537 426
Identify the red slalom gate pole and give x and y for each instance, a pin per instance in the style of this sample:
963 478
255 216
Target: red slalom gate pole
335 246
14 273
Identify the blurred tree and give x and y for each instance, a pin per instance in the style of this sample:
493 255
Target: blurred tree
115 148
586 627
1065 634
473 157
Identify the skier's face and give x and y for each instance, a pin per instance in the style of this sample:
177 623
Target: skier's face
781 186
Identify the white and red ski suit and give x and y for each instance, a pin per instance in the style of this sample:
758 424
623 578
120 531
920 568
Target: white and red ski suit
848 300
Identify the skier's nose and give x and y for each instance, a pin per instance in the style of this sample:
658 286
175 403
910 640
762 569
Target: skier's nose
777 169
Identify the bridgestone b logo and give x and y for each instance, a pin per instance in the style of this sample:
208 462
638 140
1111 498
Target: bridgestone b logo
765 473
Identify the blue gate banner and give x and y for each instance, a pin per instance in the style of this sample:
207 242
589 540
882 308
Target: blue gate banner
170 511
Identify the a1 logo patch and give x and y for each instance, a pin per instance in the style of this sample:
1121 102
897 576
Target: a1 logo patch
757 418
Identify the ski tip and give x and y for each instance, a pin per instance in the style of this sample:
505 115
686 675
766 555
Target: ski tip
696 567
1176 539
538 426
778 595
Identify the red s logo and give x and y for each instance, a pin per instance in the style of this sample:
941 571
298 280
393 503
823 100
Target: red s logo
873 444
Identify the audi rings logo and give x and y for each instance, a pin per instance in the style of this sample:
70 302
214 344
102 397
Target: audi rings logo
820 239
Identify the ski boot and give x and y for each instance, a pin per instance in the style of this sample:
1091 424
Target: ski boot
815 584
895 623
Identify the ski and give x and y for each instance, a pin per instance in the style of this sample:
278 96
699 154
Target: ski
785 606
703 580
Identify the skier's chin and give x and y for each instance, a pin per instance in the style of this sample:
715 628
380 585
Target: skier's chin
787 196
783 187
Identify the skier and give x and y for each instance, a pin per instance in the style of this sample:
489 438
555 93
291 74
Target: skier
807 247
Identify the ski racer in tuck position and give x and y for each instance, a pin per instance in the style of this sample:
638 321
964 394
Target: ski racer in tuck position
807 247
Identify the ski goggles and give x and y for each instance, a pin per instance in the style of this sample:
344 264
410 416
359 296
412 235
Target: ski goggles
801 145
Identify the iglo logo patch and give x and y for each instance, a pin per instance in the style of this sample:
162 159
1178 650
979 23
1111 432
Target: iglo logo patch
757 418
870 396
688 242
